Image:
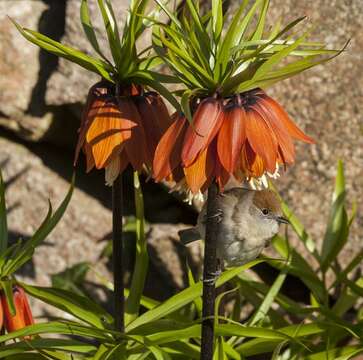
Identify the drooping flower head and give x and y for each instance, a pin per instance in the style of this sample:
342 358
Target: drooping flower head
229 125
123 119
121 129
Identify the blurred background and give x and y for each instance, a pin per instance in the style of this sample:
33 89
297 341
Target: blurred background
41 99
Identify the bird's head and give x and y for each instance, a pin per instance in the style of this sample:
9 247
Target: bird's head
266 209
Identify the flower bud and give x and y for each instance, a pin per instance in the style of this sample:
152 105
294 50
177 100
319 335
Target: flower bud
23 315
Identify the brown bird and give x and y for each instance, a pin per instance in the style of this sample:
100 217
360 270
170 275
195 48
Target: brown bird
247 220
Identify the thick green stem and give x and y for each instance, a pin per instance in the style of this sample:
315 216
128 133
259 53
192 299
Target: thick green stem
117 255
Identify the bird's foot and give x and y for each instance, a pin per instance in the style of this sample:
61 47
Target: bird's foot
218 215
211 277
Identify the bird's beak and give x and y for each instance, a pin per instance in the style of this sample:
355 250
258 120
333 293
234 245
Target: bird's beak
282 220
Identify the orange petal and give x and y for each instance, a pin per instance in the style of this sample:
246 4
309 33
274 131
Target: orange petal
23 315
201 171
135 146
155 120
108 132
251 164
167 153
206 123
222 175
231 137
1 315
97 93
28 316
262 139
282 116
163 118
90 161
257 168
283 137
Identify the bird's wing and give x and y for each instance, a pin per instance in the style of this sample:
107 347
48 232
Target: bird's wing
189 235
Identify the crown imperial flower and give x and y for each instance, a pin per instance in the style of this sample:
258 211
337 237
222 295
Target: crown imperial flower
245 136
23 315
122 129
229 127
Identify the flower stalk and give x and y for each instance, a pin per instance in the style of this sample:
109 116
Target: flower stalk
117 254
209 275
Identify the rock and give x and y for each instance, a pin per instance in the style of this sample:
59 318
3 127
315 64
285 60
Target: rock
19 59
32 177
325 102
19 67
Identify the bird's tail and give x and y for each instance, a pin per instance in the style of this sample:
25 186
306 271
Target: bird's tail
189 235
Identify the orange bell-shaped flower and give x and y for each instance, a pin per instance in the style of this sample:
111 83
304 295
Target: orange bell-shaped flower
121 129
245 136
23 315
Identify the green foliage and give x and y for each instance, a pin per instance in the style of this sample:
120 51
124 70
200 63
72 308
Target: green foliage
15 256
127 64
207 55
278 325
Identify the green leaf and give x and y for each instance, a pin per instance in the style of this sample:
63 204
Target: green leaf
217 19
200 31
98 66
165 337
88 28
71 279
7 287
257 35
79 306
57 327
185 297
50 222
198 301
3 221
265 306
347 298
265 344
277 57
300 230
250 331
235 33
337 231
185 105
342 353
132 305
185 56
148 77
68 346
300 268
111 30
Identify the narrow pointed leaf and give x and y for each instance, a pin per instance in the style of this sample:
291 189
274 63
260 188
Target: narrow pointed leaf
132 305
72 303
185 297
88 28
338 229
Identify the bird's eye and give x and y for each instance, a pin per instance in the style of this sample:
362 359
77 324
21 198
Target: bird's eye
265 211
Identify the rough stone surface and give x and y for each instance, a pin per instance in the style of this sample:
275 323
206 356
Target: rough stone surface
327 103
19 64
82 233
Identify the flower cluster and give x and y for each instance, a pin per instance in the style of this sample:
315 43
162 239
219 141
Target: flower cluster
246 136
121 127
